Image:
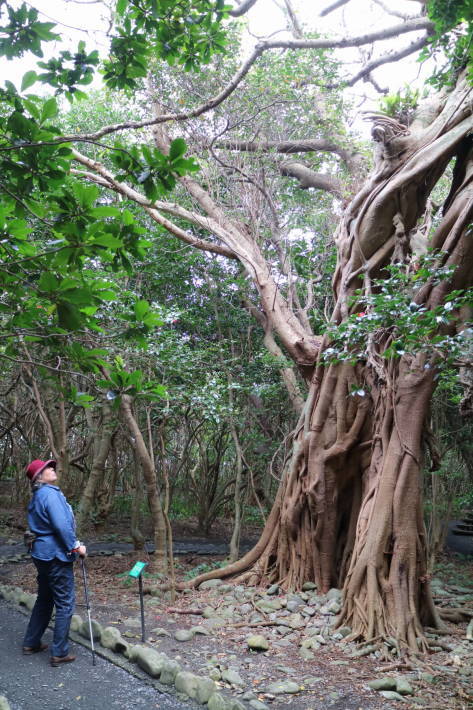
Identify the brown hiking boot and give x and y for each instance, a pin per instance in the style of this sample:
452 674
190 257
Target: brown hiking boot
58 660
28 650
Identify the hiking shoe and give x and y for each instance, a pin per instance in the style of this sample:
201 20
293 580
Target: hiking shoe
28 650
58 660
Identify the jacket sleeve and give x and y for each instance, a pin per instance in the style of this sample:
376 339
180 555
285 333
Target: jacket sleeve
61 519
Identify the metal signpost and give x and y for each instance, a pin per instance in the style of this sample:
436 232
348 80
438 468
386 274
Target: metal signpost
136 572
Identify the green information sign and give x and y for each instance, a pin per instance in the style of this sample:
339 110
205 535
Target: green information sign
137 569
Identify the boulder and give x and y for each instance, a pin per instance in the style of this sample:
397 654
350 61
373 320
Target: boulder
217 702
4 704
111 638
84 630
76 622
169 671
232 677
150 660
257 642
211 584
200 689
280 687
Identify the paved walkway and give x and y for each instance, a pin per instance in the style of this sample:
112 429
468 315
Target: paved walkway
30 683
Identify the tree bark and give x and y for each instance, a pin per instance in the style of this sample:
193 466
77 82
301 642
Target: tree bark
149 473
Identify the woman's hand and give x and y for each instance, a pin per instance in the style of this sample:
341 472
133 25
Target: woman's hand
82 551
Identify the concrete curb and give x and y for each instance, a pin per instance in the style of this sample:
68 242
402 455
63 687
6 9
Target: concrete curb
196 690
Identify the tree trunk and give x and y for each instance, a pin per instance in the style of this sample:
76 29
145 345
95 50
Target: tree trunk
149 473
349 507
102 444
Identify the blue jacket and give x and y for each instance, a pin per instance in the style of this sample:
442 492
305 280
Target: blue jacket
51 518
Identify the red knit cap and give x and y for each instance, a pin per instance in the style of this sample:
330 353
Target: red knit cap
37 466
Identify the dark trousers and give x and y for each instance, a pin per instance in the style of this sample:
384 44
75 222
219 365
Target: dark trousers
55 589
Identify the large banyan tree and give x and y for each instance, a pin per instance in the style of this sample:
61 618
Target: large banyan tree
348 511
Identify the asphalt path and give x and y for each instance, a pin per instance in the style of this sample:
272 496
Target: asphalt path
30 683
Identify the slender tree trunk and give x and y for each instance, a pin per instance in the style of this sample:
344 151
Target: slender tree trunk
149 473
102 444
137 498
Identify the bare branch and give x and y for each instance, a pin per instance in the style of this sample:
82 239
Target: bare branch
333 6
384 59
390 11
242 8
308 178
296 28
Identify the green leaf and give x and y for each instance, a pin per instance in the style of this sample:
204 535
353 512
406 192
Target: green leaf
29 79
49 110
68 316
177 149
48 282
105 211
141 308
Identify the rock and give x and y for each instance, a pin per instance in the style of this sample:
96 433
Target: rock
308 611
4 704
403 686
306 654
426 677
200 630
309 586
249 695
209 612
200 689
159 631
169 671
258 705
232 677
391 695
383 684
334 595
211 584
344 631
217 702
363 651
296 621
469 631
273 589
257 643
235 705
268 605
283 686
184 635
30 601
150 660
331 608
215 674
111 638
311 643
76 622
84 629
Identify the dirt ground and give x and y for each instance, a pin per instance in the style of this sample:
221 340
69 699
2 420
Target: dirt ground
332 679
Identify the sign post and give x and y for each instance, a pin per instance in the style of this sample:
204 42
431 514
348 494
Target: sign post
136 572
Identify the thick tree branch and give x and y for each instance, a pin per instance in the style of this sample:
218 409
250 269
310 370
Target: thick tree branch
334 6
305 145
308 178
242 8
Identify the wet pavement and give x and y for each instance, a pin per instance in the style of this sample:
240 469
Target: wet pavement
30 683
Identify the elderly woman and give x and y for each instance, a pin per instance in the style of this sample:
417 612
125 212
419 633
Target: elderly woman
54 549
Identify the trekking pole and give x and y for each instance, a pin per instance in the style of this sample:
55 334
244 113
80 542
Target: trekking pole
87 604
